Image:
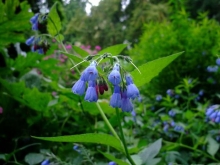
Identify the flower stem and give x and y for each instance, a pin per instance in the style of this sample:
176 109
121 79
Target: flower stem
106 121
123 138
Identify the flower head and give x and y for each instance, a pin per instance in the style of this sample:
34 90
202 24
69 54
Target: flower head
132 90
114 77
112 163
45 162
218 61
34 19
172 113
159 97
79 87
91 73
30 41
91 93
115 100
126 104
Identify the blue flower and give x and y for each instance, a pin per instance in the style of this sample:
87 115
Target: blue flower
132 90
35 26
115 100
218 61
91 73
201 92
45 162
91 92
166 127
212 68
172 123
170 92
126 104
114 77
76 148
112 163
159 97
34 19
40 51
172 113
30 40
79 87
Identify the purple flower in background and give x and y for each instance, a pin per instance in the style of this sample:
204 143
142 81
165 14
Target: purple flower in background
170 92
212 68
97 47
201 92
112 163
76 148
68 47
171 113
218 61
34 19
126 104
165 127
45 162
159 97
114 77
91 93
30 41
115 100
1 110
132 90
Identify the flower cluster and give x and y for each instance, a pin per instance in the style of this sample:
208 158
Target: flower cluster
172 124
213 113
122 94
35 42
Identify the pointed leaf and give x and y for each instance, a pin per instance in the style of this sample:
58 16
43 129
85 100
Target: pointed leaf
87 138
151 151
34 158
54 23
80 51
152 69
112 158
114 50
213 146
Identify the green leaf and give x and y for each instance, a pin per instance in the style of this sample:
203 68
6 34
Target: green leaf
87 138
150 152
59 37
80 51
2 156
114 50
111 157
153 161
137 159
212 146
152 69
54 22
34 158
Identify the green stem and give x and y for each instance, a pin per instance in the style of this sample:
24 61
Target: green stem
106 121
123 138
194 149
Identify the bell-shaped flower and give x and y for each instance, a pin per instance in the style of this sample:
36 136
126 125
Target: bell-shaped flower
79 87
91 73
115 100
34 19
35 26
126 104
114 77
132 90
30 41
91 92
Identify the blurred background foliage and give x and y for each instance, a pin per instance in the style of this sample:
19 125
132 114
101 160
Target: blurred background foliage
35 90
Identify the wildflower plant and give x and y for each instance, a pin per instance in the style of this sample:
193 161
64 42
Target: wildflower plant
103 71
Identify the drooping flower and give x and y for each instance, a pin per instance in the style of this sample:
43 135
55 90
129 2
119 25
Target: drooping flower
45 162
115 100
35 26
126 104
171 113
114 77
91 93
159 97
30 41
112 163
34 19
132 90
218 61
79 87
91 72
170 92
